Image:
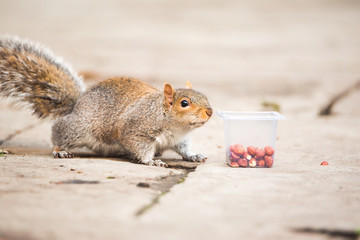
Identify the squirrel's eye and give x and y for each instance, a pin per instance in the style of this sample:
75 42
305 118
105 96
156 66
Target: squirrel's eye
184 103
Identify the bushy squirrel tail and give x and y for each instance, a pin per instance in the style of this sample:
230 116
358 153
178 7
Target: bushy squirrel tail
31 74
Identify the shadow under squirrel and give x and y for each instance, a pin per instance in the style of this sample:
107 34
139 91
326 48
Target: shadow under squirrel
118 116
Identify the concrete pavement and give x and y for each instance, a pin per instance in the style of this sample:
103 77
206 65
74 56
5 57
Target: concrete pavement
241 54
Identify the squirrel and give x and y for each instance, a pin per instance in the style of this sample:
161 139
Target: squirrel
119 116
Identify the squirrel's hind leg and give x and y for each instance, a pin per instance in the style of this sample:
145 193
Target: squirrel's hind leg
58 153
66 135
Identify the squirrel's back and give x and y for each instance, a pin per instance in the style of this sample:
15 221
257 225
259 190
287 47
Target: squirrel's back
116 102
32 74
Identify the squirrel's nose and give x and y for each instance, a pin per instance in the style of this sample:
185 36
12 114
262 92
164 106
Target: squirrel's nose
209 112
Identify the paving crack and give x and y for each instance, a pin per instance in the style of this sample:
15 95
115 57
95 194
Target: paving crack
334 233
17 132
164 186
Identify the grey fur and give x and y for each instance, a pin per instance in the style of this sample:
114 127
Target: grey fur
119 116
142 128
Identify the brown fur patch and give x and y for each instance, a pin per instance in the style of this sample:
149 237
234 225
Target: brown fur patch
33 75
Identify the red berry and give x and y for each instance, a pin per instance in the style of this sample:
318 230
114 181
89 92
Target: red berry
269 151
252 156
259 154
247 155
261 163
243 162
234 157
269 161
239 149
234 164
252 162
251 150
324 163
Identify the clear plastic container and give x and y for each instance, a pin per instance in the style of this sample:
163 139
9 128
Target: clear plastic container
250 138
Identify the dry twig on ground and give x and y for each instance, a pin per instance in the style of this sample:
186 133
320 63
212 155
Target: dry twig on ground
327 109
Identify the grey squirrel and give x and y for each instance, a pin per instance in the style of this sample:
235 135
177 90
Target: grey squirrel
118 116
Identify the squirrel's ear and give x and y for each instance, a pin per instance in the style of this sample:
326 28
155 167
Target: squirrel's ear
188 85
169 93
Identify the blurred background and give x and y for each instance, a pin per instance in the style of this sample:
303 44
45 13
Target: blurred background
247 51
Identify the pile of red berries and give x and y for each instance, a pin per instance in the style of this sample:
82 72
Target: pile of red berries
251 156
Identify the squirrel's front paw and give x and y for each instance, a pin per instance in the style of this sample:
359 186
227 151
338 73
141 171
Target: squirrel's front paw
157 162
196 158
57 153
